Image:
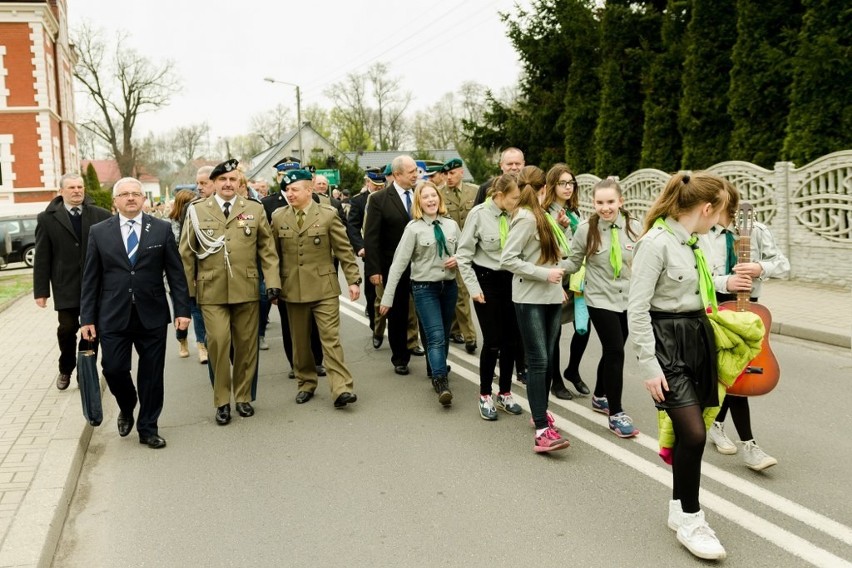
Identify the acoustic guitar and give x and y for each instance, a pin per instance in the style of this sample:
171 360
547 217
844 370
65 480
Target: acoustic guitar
762 373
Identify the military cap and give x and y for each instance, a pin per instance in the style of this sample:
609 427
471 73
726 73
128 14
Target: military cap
224 167
291 176
387 171
375 175
311 168
287 163
432 169
453 164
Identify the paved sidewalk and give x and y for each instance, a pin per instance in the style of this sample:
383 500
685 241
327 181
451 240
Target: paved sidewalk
43 437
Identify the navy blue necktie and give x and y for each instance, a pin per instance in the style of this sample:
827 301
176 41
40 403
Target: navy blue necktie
132 243
408 202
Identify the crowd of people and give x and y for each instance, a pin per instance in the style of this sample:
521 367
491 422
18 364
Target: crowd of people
517 249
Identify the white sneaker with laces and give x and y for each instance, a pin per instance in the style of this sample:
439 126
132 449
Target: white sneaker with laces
262 344
697 536
755 458
675 514
723 444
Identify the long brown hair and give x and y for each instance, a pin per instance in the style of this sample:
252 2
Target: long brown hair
553 175
531 180
182 199
593 239
684 191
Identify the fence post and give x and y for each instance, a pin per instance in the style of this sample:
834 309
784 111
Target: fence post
783 197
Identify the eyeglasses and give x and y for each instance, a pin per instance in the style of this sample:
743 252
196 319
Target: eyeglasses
126 194
564 183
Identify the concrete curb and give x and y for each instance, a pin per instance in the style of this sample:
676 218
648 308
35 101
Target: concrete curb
811 334
34 534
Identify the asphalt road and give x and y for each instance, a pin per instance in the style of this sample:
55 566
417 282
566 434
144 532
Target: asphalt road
397 480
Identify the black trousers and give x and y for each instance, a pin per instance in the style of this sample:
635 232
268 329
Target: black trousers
397 319
150 345
287 338
499 324
66 333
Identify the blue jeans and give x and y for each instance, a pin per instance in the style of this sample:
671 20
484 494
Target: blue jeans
539 325
435 303
197 322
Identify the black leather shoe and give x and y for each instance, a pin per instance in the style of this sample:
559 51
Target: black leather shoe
154 441
344 399
291 374
562 392
377 341
125 424
321 371
417 351
578 383
457 338
470 347
245 409
303 396
223 415
63 380
401 369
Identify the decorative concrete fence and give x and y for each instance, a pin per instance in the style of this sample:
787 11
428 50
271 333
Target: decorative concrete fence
808 210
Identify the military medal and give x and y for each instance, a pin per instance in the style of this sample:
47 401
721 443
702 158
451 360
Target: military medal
208 232
241 224
316 240
248 231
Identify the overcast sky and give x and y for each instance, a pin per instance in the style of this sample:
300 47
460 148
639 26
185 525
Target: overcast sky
223 51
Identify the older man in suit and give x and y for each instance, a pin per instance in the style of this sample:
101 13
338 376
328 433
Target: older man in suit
308 236
124 301
61 238
224 239
389 213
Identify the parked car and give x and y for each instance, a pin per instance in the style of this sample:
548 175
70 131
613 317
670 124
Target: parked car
20 230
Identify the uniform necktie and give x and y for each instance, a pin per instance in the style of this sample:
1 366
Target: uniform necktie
573 220
615 251
558 234
226 208
441 240
77 222
300 218
730 252
132 243
705 279
408 202
504 228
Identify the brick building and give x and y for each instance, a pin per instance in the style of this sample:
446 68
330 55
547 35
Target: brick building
38 135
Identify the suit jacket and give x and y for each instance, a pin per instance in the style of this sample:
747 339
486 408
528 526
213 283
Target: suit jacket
383 230
355 221
59 255
307 253
111 285
248 239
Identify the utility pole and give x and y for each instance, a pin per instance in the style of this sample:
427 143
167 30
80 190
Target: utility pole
298 112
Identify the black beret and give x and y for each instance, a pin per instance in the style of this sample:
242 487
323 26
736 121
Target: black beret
224 167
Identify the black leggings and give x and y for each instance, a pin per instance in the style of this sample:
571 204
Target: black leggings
690 437
740 414
572 371
611 328
499 324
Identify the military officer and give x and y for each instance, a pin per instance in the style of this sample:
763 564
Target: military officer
225 238
308 236
459 197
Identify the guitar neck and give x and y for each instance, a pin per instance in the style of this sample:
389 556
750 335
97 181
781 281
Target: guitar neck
743 256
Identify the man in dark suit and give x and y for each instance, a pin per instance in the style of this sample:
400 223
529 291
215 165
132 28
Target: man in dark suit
61 236
389 213
124 301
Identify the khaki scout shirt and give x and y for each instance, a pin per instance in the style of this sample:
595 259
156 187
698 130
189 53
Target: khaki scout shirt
603 290
459 201
664 279
521 257
248 240
480 244
419 247
307 253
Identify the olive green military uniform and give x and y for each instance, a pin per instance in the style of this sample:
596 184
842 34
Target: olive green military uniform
459 202
226 284
311 288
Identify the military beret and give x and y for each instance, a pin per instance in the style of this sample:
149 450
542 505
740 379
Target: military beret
375 175
291 176
387 171
287 163
311 168
224 167
433 169
453 164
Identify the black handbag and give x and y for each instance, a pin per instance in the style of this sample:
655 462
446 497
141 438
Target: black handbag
90 386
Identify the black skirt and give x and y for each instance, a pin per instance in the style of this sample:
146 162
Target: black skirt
686 351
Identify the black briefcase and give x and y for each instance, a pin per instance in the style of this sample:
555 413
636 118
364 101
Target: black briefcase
90 386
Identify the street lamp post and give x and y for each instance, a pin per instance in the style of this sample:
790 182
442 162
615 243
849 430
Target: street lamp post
298 111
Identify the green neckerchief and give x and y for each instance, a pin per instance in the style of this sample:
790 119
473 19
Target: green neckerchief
573 220
559 234
504 224
441 241
614 251
705 280
730 251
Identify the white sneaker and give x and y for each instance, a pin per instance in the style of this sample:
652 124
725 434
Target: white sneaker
262 344
697 536
675 514
724 445
755 458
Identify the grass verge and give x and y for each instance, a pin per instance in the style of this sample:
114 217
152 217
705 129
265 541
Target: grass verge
13 287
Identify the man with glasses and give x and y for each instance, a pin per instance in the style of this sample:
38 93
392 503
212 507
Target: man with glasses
61 238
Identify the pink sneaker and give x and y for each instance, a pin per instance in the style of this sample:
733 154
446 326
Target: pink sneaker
550 441
550 421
